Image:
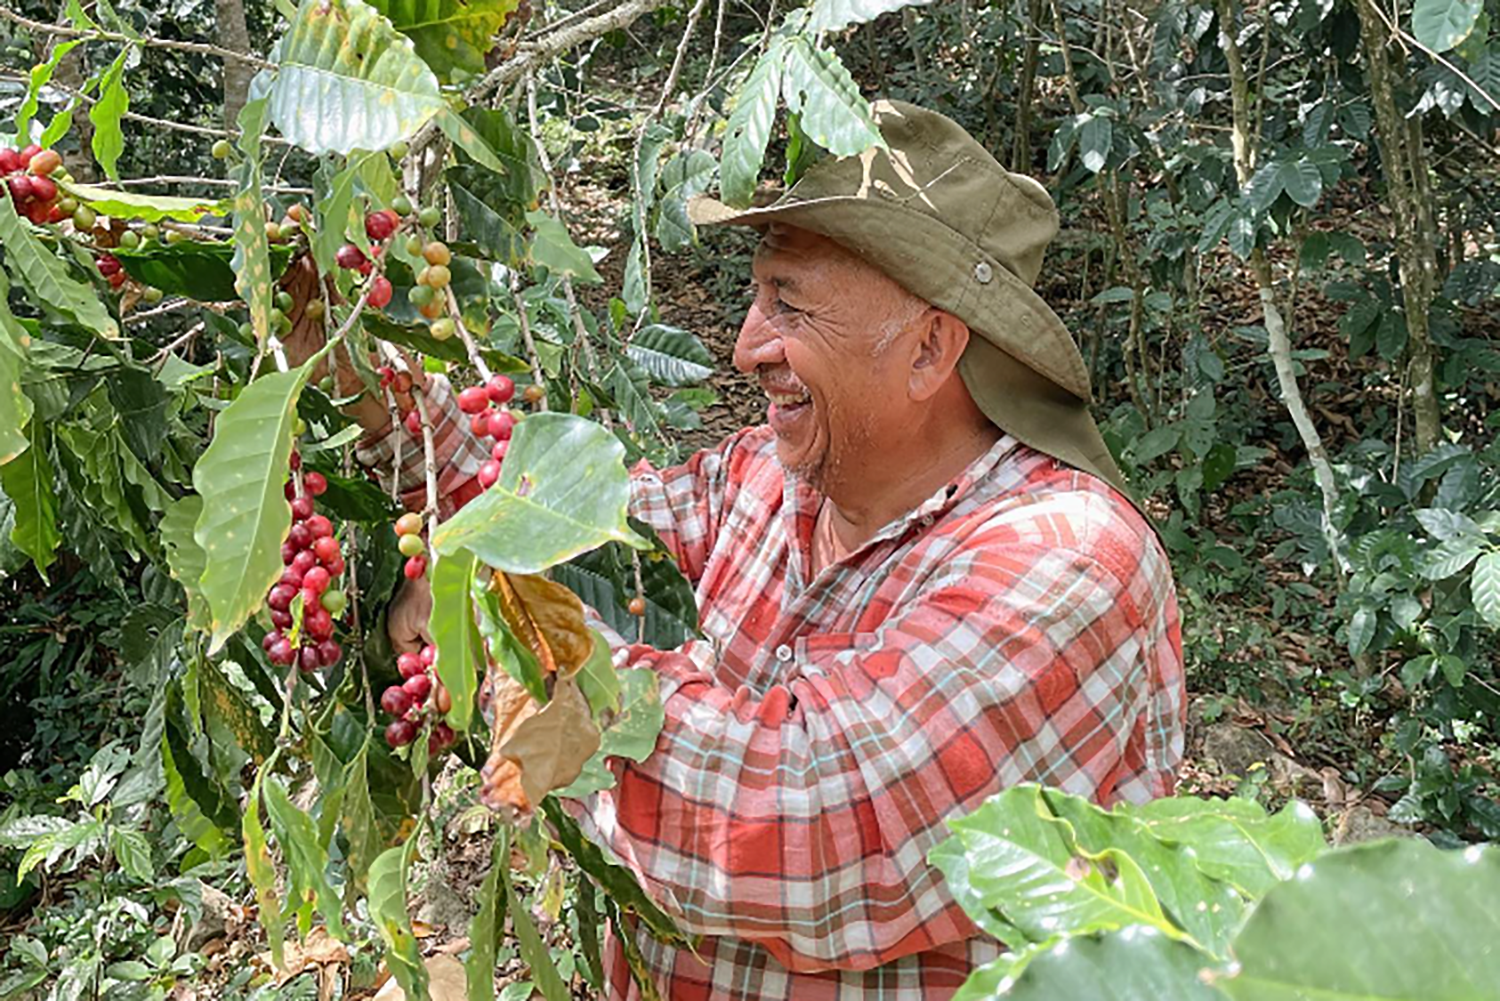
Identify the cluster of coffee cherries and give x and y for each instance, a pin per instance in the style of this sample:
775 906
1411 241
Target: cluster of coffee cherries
28 180
409 542
489 417
313 559
418 698
380 226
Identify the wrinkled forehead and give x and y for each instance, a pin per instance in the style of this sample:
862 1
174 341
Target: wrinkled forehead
786 250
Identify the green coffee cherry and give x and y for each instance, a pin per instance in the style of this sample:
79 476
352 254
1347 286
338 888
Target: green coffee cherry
430 216
284 301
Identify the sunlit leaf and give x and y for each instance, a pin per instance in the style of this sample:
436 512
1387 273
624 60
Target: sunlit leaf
1396 920
451 626
833 112
114 100
451 36
305 858
562 491
749 128
245 514
347 80
836 15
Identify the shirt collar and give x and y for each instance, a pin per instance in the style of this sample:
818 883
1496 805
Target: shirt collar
802 501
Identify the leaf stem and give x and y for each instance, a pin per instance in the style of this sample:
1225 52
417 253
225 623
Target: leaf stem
202 48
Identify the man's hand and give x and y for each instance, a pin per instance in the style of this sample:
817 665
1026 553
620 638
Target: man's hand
406 618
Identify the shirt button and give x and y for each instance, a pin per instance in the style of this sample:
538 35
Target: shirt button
926 520
784 653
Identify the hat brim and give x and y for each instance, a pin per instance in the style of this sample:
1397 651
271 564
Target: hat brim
1046 407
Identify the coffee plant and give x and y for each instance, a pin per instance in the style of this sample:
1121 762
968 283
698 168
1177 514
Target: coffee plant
212 401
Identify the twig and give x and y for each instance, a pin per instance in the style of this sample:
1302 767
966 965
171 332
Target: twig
186 338
475 358
351 588
640 141
201 48
550 45
170 307
695 106
429 456
525 322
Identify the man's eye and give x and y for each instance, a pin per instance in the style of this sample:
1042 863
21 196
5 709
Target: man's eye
785 309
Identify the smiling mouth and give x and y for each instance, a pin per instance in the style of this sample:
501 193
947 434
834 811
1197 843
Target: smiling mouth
789 399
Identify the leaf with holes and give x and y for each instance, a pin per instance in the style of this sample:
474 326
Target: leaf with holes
749 127
820 89
245 514
687 174
347 80
451 36
562 491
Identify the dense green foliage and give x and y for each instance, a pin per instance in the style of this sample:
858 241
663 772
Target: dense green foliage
1277 256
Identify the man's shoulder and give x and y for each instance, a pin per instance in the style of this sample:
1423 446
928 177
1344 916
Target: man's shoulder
1034 499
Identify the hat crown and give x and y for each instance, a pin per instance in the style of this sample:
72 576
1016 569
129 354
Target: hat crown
931 165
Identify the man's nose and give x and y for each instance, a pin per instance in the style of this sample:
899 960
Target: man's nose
759 342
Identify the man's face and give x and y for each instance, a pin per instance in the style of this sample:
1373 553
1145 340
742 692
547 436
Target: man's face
828 337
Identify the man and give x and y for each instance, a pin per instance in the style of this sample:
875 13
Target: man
920 582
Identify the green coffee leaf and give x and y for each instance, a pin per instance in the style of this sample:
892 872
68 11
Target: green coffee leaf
451 36
252 255
554 249
388 912
114 100
562 491
347 80
305 858
632 734
1442 24
36 268
28 481
836 15
133 852
1026 864
149 208
451 626
533 949
616 881
749 128
245 514
672 356
261 871
195 269
1235 840
1134 964
15 405
486 926
1206 908
41 75
1485 587
820 89
1396 920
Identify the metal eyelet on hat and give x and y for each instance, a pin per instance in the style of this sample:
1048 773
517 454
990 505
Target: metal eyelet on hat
983 273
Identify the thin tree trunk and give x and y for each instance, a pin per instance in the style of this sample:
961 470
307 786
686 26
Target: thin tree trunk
1405 164
235 36
1020 155
1279 342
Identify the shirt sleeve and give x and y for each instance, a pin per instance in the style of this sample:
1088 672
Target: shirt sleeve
684 505
457 452
800 818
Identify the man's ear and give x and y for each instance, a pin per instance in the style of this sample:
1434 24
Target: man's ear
941 343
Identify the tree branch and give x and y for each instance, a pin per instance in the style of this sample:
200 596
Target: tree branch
201 48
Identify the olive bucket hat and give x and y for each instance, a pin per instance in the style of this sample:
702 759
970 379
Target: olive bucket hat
937 213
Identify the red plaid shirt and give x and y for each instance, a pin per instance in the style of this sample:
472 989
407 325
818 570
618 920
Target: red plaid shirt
1020 625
